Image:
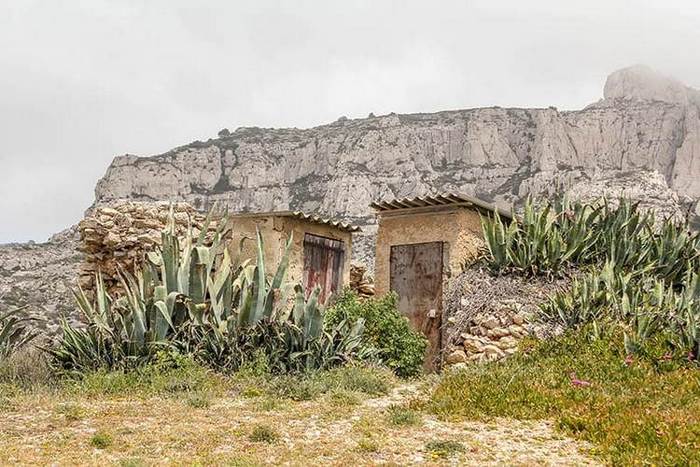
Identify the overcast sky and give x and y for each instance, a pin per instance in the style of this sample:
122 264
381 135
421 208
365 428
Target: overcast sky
83 81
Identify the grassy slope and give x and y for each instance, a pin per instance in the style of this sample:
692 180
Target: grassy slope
633 412
190 416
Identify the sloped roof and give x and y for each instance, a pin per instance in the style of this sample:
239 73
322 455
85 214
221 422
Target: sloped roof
443 199
313 218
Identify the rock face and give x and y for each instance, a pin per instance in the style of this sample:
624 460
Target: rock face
641 140
646 128
41 276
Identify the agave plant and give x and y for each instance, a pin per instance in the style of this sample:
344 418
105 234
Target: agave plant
191 296
14 331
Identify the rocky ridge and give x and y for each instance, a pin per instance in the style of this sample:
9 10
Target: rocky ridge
642 140
41 276
644 137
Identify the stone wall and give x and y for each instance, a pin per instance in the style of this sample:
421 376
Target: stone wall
487 315
119 235
361 282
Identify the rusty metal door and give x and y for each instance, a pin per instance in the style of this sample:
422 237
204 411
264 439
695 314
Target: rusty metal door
323 265
416 277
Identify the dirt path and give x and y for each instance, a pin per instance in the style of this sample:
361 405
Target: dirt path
333 430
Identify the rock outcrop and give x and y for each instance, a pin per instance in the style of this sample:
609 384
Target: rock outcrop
41 276
646 127
641 140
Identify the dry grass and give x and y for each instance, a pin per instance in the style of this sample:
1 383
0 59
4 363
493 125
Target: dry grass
339 427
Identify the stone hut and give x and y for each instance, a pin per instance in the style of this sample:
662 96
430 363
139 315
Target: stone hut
320 252
421 243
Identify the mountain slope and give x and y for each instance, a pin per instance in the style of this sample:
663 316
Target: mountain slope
645 132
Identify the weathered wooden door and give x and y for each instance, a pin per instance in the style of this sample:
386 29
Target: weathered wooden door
323 265
416 277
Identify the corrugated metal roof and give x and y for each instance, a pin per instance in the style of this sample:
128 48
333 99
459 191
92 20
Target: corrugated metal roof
313 218
326 221
443 199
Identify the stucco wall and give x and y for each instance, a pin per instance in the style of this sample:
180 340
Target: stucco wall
300 227
275 231
459 228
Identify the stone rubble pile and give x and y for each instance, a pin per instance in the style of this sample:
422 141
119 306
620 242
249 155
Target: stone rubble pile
489 337
487 315
118 236
360 282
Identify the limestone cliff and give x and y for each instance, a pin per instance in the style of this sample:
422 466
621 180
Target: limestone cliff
642 140
644 135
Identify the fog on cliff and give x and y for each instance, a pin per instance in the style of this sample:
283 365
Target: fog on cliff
83 81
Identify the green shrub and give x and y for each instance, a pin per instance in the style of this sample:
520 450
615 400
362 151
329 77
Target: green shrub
199 400
263 434
400 415
367 445
644 410
396 343
444 448
72 412
101 440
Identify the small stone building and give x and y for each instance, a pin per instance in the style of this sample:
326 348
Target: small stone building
421 243
320 252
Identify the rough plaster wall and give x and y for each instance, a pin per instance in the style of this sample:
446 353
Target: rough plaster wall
244 228
275 231
459 228
298 228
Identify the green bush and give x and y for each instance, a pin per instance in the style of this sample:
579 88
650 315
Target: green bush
638 411
396 343
263 434
401 415
101 440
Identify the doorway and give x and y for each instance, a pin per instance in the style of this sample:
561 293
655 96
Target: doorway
324 260
416 277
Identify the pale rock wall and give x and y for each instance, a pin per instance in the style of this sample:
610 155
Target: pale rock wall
647 124
41 277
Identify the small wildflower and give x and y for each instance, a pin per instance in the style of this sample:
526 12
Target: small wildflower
578 382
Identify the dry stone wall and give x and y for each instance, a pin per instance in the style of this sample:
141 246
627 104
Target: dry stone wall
487 316
361 282
118 236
